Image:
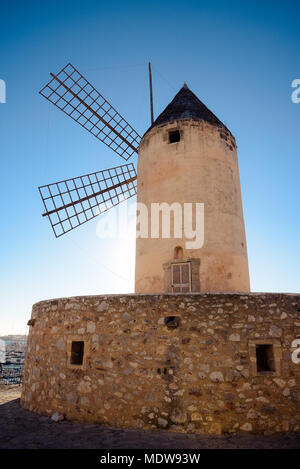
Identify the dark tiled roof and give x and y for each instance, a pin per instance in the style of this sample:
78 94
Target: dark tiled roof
186 105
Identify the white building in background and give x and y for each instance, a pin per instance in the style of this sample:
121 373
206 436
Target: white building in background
2 351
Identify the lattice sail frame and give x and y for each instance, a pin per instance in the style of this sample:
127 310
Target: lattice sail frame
76 97
73 202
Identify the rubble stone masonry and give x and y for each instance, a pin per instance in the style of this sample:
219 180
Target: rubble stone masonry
182 362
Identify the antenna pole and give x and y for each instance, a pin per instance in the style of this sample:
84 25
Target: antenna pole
151 95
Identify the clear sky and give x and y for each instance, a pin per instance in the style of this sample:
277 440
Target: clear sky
238 57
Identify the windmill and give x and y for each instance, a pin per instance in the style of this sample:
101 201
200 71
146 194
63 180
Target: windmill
72 202
187 156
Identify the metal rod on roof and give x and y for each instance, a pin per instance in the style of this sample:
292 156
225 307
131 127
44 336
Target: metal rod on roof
151 94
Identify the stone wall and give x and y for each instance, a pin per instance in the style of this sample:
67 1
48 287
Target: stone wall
192 372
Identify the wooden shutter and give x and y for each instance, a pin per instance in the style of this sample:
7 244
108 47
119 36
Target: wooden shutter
181 277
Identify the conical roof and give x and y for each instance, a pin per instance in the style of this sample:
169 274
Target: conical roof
186 105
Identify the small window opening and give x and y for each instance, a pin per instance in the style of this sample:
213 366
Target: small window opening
178 252
265 358
77 351
174 136
172 321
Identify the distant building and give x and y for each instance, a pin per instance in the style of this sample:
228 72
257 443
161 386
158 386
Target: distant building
2 351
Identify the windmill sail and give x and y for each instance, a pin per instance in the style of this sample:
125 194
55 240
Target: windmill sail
72 202
76 97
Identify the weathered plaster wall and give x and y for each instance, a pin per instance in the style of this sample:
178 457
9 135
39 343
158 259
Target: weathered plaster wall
201 168
198 377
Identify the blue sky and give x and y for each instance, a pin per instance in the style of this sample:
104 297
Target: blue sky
238 57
